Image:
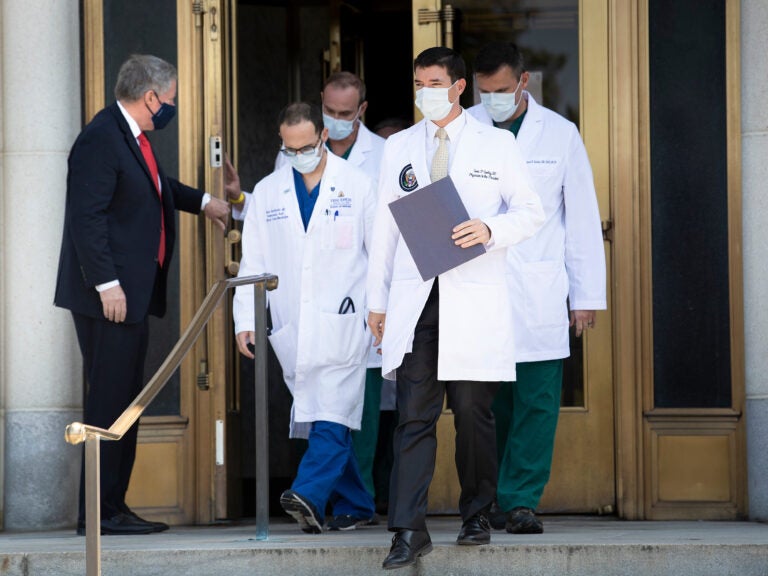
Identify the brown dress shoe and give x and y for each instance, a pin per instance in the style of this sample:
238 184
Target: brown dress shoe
407 546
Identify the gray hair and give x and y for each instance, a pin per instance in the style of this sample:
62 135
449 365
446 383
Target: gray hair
143 72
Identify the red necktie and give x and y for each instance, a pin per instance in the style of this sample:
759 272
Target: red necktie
149 158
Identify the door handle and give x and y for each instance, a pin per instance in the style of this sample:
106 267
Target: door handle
232 266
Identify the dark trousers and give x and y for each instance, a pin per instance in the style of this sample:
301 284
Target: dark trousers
420 398
113 361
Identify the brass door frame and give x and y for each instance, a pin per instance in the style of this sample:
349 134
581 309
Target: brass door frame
202 47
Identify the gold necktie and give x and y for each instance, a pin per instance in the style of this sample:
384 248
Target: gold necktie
440 159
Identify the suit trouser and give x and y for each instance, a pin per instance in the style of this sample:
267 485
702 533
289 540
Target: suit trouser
420 398
328 472
526 421
113 360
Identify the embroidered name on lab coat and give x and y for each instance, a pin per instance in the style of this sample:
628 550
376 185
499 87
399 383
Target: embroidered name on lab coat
480 173
343 202
276 214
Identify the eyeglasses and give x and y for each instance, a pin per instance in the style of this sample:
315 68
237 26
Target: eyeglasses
303 151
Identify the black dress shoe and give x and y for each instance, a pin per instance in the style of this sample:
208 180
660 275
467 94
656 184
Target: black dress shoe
120 524
156 526
497 517
407 546
475 531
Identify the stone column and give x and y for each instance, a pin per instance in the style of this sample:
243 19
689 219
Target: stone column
754 122
40 381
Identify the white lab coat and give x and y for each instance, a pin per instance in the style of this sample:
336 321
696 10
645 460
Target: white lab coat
476 328
565 260
321 352
366 155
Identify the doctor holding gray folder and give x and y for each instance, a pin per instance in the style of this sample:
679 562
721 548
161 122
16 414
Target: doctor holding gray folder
455 339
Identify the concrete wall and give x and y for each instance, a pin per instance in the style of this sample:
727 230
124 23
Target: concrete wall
754 121
40 372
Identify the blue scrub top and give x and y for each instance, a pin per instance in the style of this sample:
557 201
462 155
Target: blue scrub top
306 199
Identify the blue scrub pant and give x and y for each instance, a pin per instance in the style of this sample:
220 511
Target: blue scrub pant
526 421
328 472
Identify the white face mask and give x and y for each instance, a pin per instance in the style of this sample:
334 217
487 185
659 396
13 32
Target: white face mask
306 163
434 103
339 129
501 105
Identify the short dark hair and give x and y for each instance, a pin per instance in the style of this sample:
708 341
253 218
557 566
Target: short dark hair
445 58
494 55
298 112
345 80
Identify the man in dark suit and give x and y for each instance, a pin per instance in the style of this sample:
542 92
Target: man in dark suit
119 231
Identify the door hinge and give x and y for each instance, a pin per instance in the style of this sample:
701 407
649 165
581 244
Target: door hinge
203 380
607 226
446 14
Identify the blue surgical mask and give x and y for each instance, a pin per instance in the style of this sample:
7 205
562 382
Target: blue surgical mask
339 129
164 114
434 102
306 163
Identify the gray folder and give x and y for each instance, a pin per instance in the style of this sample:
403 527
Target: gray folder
426 218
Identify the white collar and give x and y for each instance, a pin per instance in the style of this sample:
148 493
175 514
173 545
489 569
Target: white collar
132 124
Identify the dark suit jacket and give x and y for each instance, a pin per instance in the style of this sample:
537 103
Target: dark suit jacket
112 221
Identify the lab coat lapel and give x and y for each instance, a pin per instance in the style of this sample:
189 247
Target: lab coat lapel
287 191
532 126
327 181
417 145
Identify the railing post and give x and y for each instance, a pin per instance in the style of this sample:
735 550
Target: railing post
92 505
261 398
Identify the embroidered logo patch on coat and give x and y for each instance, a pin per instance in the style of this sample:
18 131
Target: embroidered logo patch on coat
408 179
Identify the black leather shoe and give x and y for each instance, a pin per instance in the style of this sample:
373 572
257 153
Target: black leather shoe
522 520
156 526
497 517
407 546
120 524
475 531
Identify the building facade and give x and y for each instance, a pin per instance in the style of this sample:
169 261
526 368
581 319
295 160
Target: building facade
665 412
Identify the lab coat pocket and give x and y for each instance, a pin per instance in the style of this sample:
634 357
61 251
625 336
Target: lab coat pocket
343 232
546 289
341 338
283 342
337 233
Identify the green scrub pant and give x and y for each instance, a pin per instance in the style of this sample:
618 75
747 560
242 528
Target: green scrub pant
526 414
364 441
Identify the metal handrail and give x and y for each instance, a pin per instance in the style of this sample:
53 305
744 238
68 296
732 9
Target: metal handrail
77 432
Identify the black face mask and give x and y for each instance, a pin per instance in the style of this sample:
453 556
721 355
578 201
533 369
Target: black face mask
165 114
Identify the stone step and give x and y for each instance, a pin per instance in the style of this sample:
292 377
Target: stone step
570 546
